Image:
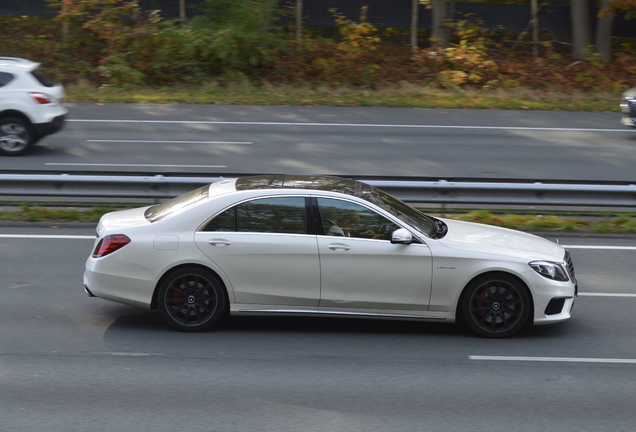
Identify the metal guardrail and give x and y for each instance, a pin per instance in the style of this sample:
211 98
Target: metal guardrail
443 192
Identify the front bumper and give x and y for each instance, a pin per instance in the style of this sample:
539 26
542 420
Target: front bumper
628 110
87 291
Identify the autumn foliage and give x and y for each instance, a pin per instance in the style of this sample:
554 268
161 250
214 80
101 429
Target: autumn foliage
114 42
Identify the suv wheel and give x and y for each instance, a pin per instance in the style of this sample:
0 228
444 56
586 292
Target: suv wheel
16 136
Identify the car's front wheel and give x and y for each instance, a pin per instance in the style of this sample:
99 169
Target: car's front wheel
496 306
16 136
191 299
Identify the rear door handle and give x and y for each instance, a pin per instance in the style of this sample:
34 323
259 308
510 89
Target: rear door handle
335 246
219 242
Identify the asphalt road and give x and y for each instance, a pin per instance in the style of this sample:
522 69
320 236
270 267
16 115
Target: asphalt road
70 362
429 143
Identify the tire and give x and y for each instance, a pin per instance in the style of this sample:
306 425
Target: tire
16 136
496 306
191 299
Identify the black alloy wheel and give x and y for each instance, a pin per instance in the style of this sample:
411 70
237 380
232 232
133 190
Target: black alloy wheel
496 306
16 136
191 299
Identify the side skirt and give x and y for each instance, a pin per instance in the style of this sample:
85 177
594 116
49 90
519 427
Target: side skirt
263 310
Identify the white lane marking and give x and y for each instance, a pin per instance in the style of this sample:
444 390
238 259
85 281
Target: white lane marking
353 125
92 237
553 359
599 247
170 142
51 236
133 165
70 236
127 354
86 237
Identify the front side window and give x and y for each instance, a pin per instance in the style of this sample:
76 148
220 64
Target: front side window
427 225
346 219
266 215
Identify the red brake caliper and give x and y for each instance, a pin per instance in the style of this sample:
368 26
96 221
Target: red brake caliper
480 304
175 295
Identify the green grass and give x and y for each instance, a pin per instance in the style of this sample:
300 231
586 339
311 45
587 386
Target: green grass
69 214
574 222
396 96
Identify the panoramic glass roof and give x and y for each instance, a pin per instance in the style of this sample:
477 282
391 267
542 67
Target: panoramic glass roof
325 183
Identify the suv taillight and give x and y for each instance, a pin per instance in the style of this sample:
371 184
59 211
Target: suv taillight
41 98
110 244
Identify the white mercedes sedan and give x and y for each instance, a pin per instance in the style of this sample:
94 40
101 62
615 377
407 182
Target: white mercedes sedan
310 245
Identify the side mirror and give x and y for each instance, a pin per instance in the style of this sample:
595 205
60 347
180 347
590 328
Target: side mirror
401 236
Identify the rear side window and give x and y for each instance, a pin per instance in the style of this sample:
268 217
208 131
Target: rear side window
42 78
267 215
5 78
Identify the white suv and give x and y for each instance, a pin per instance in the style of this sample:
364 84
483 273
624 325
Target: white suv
30 105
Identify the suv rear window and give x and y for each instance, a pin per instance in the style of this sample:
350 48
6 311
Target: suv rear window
42 78
5 78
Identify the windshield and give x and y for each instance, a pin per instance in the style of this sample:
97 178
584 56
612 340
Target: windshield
426 225
176 205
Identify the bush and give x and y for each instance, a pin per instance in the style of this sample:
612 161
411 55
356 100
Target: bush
238 34
113 42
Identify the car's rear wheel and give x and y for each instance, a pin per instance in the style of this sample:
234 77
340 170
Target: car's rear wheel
16 136
191 299
496 306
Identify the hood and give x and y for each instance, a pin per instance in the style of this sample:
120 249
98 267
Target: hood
122 219
468 236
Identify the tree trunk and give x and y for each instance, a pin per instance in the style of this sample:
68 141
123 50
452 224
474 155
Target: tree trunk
415 8
299 21
441 33
580 14
604 34
534 10
65 26
182 9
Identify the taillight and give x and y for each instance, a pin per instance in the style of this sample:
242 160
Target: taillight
41 98
110 244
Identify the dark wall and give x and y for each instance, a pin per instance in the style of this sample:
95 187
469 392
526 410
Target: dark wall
381 13
25 7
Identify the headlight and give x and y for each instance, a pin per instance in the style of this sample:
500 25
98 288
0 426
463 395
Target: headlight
551 270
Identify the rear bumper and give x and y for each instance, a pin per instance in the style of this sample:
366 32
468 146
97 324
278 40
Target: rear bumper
129 285
43 129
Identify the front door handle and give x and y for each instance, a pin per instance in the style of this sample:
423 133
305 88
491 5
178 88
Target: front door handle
335 246
219 242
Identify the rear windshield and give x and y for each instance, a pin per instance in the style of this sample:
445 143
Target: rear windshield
176 205
42 78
